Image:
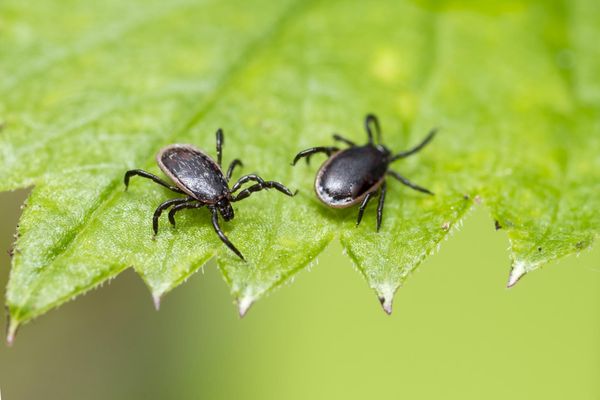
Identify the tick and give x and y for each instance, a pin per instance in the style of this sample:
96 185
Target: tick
202 180
355 175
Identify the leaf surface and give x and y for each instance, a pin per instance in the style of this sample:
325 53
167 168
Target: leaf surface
516 102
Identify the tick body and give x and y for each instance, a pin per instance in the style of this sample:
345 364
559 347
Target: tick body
354 175
201 179
348 175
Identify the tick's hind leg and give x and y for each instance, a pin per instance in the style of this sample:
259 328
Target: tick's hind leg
365 202
163 207
380 205
371 120
260 186
342 139
182 206
224 239
150 176
363 205
329 150
416 148
409 183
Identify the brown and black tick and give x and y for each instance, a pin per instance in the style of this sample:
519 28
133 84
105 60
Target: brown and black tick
354 175
202 180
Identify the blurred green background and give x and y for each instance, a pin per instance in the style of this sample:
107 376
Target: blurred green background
456 333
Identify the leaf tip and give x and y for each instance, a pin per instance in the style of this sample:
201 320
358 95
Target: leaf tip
386 303
518 270
156 298
11 331
385 293
244 304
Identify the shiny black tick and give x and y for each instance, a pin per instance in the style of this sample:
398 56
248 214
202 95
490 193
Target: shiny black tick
354 175
198 176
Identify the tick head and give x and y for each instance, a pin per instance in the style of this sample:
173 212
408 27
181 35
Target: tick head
225 209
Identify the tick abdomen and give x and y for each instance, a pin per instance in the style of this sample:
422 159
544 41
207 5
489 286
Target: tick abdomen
194 172
346 177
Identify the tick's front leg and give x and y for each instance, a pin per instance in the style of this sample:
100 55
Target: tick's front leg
163 207
264 185
232 166
193 204
246 178
224 239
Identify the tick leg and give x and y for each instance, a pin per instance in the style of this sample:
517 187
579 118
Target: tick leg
163 207
343 140
232 166
380 205
416 148
246 178
148 175
371 120
219 145
363 205
224 239
409 183
314 150
180 207
260 186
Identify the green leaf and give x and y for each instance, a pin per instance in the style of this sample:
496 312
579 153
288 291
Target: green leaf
516 101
